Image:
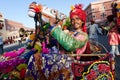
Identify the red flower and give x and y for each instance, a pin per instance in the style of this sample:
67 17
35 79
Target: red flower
103 67
92 75
89 77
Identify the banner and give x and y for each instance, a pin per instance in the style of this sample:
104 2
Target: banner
95 70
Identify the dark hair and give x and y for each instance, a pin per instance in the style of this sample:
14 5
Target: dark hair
34 2
92 21
110 18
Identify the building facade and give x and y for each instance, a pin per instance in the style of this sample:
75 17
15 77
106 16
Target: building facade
99 10
2 26
10 29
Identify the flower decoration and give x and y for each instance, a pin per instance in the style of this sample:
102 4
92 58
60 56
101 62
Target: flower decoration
72 7
36 7
77 10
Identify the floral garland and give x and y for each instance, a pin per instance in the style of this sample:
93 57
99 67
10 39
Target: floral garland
15 68
11 63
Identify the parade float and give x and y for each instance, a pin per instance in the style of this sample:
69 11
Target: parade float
54 66
35 62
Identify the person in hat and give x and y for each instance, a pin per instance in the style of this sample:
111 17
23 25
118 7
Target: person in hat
76 40
113 35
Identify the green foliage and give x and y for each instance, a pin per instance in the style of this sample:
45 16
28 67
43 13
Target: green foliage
46 26
67 23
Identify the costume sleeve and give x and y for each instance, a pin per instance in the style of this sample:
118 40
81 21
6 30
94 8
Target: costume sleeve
67 41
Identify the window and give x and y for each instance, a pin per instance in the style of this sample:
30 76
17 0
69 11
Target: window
0 15
103 15
93 9
93 16
87 12
1 24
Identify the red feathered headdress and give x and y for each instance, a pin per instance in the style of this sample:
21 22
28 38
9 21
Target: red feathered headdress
35 7
77 10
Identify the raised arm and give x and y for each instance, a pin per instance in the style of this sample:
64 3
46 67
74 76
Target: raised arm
67 41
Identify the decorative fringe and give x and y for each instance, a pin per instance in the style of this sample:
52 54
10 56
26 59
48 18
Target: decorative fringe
38 62
65 72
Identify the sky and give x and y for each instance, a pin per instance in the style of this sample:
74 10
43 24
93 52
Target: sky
17 10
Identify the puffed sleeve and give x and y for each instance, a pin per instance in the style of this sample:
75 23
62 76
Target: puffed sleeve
67 41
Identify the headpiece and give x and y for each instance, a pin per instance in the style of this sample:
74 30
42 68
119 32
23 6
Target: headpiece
77 10
36 7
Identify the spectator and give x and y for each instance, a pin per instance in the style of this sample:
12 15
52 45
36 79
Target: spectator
113 35
1 44
94 30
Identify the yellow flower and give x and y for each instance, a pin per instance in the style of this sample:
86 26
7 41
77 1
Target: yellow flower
72 7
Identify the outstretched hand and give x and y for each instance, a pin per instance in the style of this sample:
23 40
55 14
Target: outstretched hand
102 27
52 21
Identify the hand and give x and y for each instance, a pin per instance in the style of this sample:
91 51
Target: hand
52 21
102 27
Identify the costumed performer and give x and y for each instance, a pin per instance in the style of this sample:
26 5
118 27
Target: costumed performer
76 40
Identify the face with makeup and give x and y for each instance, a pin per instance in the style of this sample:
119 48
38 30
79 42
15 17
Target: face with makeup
76 22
